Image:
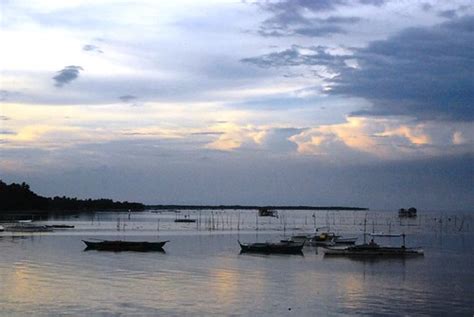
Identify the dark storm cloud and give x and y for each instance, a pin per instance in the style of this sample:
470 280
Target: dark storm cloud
92 48
422 72
425 72
289 17
66 75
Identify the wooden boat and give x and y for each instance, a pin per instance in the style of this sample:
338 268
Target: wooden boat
60 226
320 239
282 247
185 220
27 227
342 240
119 245
387 235
367 250
410 212
300 238
323 239
372 249
265 212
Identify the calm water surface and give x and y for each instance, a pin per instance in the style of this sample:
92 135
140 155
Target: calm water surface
203 274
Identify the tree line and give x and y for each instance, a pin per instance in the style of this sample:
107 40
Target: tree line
19 197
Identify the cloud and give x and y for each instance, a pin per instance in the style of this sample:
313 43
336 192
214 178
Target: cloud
233 136
313 5
7 132
296 56
3 95
386 138
297 17
298 25
127 98
66 75
448 14
208 133
4 118
7 95
92 48
423 72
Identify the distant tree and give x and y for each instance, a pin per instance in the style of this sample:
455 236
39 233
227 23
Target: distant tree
19 197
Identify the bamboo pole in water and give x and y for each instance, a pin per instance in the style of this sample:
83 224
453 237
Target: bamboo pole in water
256 221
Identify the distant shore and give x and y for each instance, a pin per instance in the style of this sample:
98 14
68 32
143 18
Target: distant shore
6 213
234 207
18 199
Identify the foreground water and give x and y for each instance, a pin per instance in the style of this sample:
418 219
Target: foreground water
202 272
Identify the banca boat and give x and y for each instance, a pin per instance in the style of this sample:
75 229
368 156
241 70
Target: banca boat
119 245
372 249
282 247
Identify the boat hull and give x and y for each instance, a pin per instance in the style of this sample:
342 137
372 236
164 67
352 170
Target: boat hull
272 248
23 228
375 252
117 246
345 240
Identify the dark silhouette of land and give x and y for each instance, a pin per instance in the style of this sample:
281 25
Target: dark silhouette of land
19 198
232 207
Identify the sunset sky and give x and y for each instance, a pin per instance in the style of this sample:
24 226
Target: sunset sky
327 102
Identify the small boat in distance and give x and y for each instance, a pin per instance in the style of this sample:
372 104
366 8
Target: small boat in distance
27 227
410 212
265 212
282 247
60 226
382 234
185 220
119 245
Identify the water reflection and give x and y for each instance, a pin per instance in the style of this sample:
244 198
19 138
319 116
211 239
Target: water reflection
202 272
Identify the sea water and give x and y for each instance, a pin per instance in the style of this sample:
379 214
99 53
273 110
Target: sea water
202 272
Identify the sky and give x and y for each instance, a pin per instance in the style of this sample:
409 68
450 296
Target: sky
284 102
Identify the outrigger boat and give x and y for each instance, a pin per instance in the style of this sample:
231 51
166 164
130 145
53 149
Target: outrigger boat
119 245
323 238
282 247
372 249
27 227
